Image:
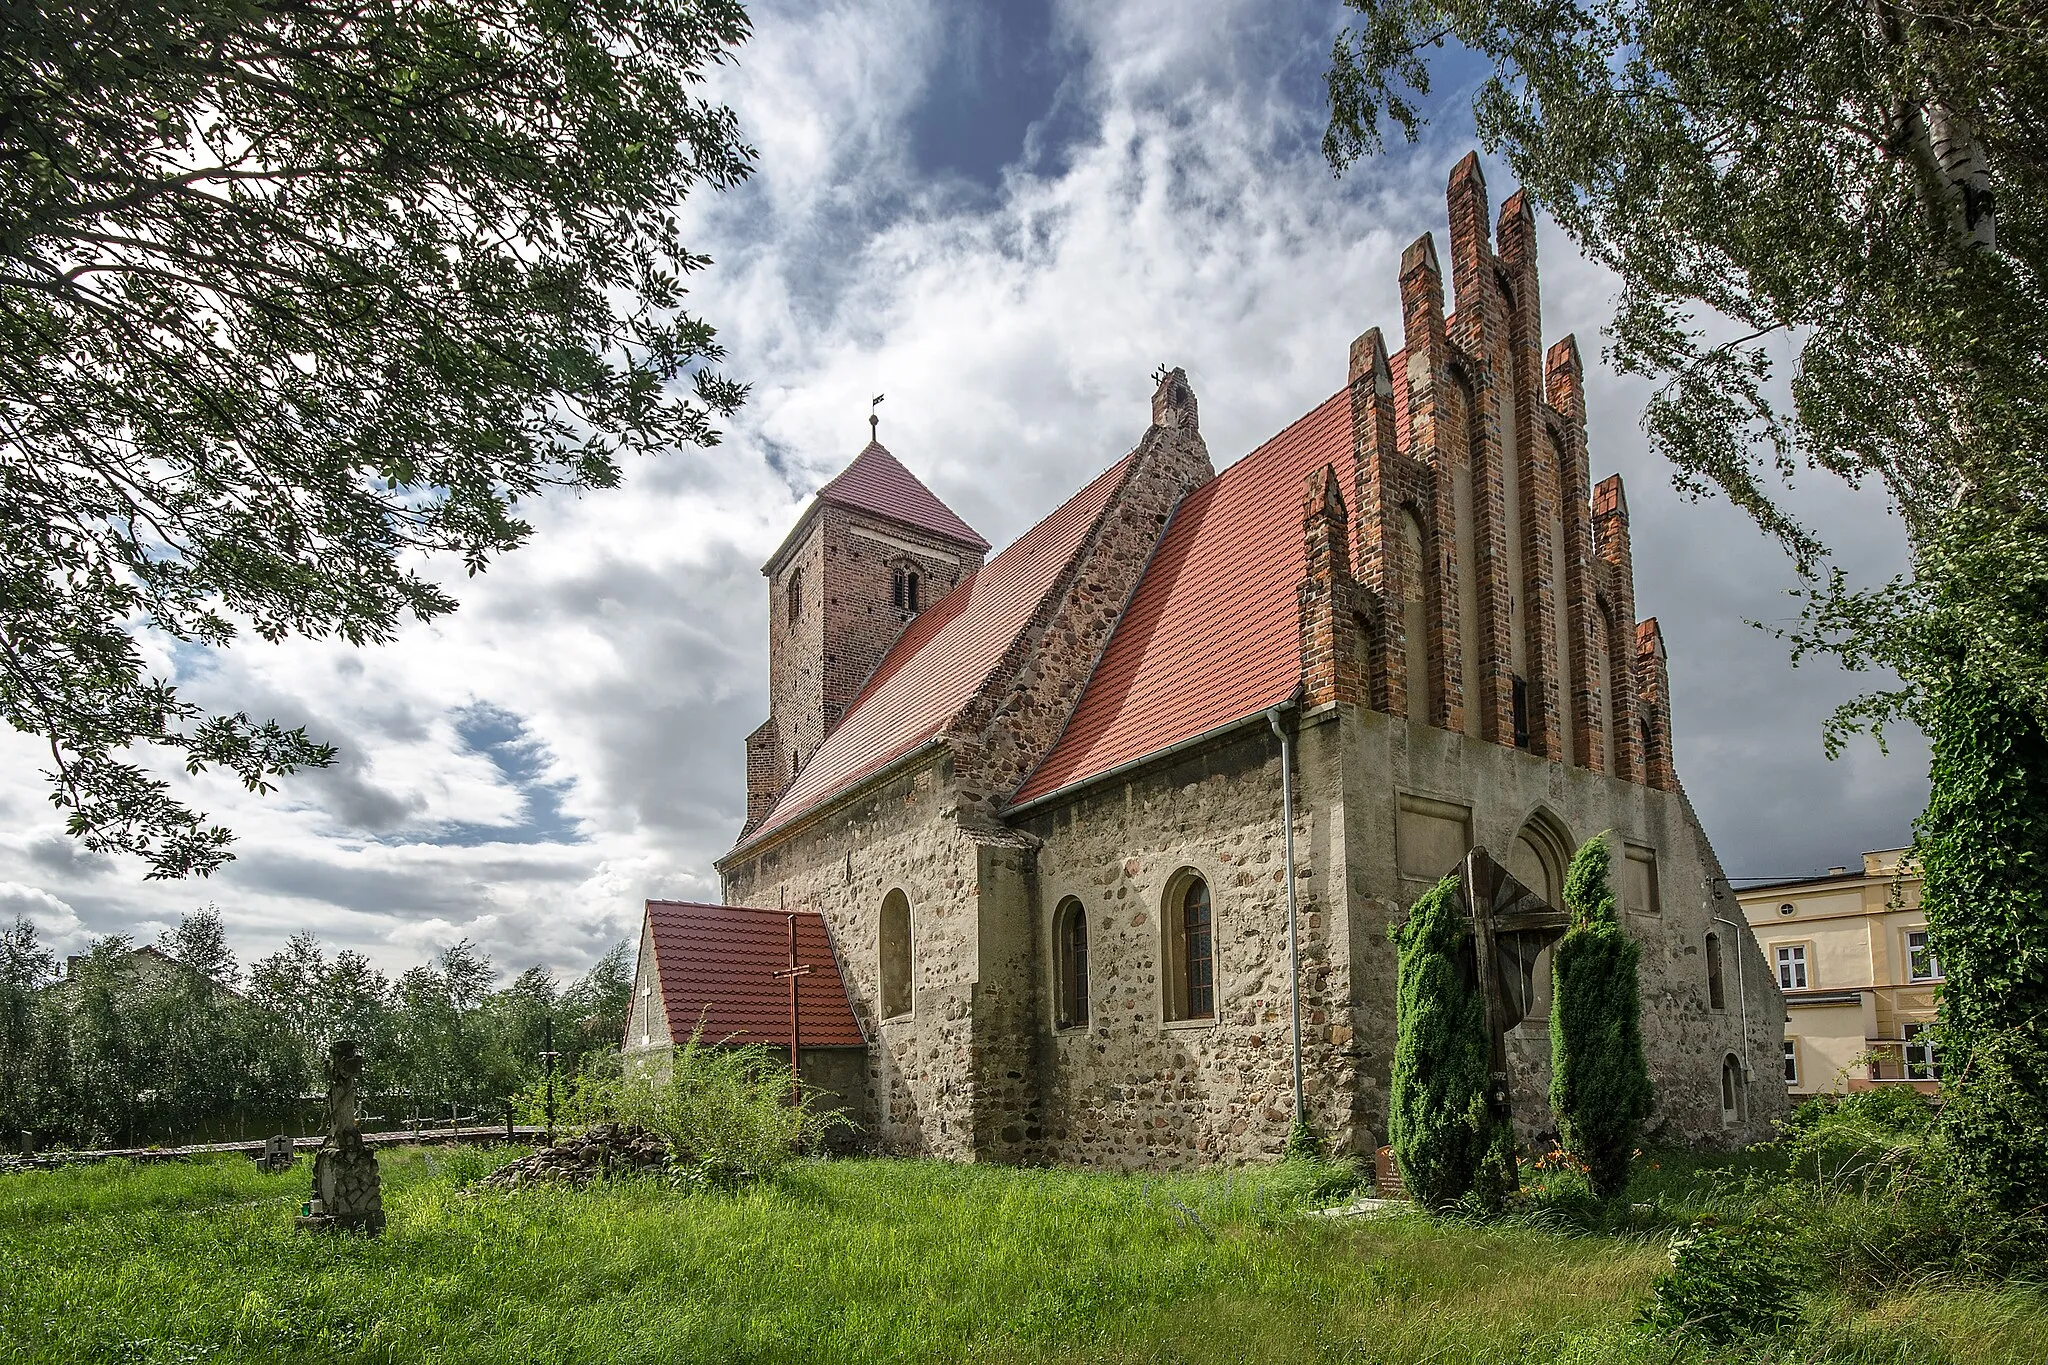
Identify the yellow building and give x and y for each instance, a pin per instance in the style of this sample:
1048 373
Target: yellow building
1851 955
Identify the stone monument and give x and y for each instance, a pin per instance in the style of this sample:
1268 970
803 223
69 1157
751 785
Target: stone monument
277 1154
345 1188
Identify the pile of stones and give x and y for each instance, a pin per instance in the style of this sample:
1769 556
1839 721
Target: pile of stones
601 1149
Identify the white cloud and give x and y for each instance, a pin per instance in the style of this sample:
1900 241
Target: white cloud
621 656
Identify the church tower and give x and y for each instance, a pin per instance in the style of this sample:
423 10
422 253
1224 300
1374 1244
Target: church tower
873 550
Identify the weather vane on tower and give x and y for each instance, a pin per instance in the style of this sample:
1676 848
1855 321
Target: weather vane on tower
874 421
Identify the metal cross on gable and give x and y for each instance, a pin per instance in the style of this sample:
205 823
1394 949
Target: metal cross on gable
792 972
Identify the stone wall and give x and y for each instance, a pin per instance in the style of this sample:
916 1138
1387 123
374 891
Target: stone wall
898 832
1398 774
1132 1088
847 562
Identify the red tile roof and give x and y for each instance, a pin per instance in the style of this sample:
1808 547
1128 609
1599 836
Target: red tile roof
718 963
877 482
1213 633
945 656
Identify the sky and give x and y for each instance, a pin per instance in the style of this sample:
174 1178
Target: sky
1004 217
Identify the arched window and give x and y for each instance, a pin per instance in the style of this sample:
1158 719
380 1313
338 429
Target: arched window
895 955
1734 1092
1070 929
1717 994
907 587
1191 950
1537 859
795 594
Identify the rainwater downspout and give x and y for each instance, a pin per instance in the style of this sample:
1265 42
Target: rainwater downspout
1293 945
1741 996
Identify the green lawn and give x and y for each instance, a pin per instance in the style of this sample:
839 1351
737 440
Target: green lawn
863 1261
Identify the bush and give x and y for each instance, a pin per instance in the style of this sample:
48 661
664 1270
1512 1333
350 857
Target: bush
1725 1283
1446 1137
1994 1123
725 1111
1599 1082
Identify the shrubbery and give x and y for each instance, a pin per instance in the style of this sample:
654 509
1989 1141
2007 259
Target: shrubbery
1725 1283
1446 1138
1599 1082
726 1112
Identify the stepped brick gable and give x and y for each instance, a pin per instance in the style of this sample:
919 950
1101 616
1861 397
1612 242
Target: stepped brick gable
1036 806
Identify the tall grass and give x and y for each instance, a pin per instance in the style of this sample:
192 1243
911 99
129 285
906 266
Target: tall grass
732 1112
858 1261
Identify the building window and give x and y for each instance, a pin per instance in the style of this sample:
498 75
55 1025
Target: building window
1071 930
1733 1099
908 588
1717 994
895 955
1792 967
1520 706
795 594
1201 957
1920 963
1792 1061
1921 1063
1787 908
1190 975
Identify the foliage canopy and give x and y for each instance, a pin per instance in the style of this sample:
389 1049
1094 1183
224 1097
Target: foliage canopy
297 296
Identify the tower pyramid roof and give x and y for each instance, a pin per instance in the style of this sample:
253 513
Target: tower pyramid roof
877 482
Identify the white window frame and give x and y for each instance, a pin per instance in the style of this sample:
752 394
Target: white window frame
1933 972
1918 1038
1792 971
1791 1062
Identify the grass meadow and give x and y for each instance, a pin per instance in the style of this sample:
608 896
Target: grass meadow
878 1260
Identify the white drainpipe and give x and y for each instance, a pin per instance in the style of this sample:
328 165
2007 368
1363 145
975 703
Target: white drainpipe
1293 947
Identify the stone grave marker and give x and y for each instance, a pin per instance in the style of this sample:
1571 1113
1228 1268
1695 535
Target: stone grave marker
346 1195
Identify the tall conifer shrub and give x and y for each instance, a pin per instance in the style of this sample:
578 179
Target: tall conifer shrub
1599 1082
1446 1140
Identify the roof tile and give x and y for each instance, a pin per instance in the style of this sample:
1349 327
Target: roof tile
945 656
1212 635
877 482
717 963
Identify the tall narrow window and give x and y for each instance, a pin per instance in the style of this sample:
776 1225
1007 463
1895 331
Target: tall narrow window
1920 961
1521 713
895 955
796 596
907 589
1071 927
1717 995
1921 1063
1792 967
1201 959
1792 1062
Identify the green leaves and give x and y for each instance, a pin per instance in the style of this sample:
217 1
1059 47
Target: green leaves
1599 1081
293 294
1446 1138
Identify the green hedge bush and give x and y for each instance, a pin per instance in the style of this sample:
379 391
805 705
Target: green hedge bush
1447 1141
1599 1083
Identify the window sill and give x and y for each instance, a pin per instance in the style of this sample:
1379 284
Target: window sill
1187 1025
903 1018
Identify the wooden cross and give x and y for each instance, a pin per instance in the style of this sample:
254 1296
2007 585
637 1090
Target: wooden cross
792 972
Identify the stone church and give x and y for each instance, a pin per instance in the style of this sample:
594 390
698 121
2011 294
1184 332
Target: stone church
1032 806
